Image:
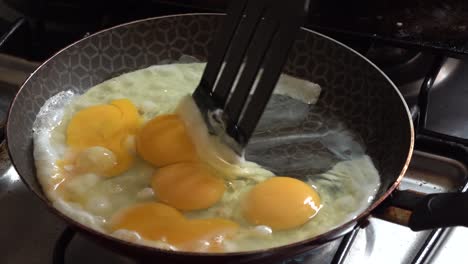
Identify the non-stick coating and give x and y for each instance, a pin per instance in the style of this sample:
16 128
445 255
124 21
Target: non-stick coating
353 89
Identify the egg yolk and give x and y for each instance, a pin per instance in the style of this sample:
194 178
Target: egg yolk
188 186
281 203
164 141
157 221
106 126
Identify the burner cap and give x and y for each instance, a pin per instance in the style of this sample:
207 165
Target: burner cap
387 56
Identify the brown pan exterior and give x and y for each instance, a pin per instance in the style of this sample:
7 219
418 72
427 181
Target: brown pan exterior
354 90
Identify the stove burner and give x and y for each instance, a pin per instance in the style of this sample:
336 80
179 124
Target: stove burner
389 56
407 68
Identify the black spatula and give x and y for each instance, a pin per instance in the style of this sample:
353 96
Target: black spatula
245 64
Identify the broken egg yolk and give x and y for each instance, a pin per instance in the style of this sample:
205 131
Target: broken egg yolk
159 222
106 126
164 141
188 186
281 203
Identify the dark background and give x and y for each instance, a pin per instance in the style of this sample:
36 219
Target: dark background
430 24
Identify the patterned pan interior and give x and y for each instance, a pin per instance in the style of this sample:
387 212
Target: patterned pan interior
353 89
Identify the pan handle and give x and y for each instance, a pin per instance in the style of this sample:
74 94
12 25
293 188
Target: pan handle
421 212
440 210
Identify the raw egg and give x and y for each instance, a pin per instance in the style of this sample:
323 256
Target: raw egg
188 186
107 127
281 203
174 185
156 221
164 141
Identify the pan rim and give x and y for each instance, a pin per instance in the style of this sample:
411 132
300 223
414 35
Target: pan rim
330 235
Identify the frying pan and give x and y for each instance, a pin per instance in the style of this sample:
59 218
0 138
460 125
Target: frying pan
354 90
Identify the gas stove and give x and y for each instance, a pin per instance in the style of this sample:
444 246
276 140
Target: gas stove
431 74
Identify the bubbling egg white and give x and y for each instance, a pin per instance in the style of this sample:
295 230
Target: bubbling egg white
345 190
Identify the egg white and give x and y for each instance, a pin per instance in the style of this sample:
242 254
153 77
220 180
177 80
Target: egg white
165 89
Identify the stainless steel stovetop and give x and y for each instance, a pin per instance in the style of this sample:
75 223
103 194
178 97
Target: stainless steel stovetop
31 234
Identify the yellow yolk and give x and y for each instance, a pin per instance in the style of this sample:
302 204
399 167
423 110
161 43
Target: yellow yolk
156 221
164 141
106 126
188 186
193 233
281 203
130 116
